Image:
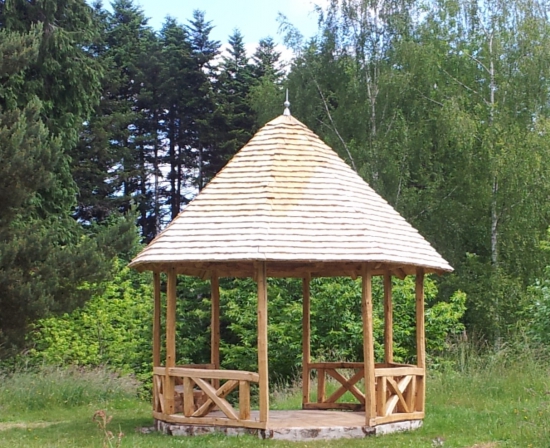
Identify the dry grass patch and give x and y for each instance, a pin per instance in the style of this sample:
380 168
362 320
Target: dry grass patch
26 425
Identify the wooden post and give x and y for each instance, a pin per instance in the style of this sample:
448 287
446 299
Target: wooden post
188 398
263 370
156 320
368 346
420 338
215 325
388 319
244 400
170 340
306 340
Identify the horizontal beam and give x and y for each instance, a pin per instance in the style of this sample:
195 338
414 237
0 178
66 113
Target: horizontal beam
399 371
401 417
325 406
214 374
208 421
336 365
284 269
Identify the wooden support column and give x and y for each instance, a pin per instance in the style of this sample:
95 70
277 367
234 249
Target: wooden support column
156 319
215 325
306 340
263 369
388 319
420 338
368 345
170 340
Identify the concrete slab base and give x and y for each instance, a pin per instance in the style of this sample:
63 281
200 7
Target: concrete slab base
284 425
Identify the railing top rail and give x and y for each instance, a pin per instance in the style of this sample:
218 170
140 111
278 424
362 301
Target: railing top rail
399 371
336 365
238 375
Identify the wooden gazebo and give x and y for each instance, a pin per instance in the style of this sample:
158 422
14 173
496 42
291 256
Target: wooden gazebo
287 206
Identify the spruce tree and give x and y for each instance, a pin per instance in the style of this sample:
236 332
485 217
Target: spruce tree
235 81
50 83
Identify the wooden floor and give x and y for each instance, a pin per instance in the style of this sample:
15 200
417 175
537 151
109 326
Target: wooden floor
307 419
299 425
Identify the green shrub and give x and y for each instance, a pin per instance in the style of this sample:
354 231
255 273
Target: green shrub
113 329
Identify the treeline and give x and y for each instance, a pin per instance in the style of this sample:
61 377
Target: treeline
174 108
105 123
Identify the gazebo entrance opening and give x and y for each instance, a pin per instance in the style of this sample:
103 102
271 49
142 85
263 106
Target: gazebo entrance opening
197 394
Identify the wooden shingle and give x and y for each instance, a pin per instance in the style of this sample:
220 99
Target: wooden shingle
287 198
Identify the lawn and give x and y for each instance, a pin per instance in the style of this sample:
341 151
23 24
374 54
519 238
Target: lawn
495 404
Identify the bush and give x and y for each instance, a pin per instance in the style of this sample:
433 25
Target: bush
113 329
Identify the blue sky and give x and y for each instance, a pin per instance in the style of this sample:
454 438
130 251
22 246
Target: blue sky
254 18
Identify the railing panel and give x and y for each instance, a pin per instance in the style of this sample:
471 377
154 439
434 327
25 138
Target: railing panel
397 393
196 394
397 389
333 370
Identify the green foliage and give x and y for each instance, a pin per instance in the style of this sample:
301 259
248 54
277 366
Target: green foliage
49 85
335 320
112 329
537 313
444 111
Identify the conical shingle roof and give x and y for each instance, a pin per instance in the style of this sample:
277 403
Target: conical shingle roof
287 198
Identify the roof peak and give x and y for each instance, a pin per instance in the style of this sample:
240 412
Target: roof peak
287 105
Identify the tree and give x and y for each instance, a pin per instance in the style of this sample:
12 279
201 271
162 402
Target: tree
49 86
266 94
234 84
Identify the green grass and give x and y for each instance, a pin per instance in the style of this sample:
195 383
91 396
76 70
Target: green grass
489 404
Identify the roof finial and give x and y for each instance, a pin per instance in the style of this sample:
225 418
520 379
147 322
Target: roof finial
287 105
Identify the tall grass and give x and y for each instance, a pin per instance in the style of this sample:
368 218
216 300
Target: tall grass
54 387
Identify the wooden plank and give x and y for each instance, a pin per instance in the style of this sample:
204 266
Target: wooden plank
388 319
156 319
381 396
420 341
420 338
347 385
170 341
188 398
368 346
320 385
263 368
215 325
197 366
222 403
410 394
214 374
244 400
399 371
208 421
420 393
337 365
342 406
399 417
222 392
306 339
398 389
159 371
